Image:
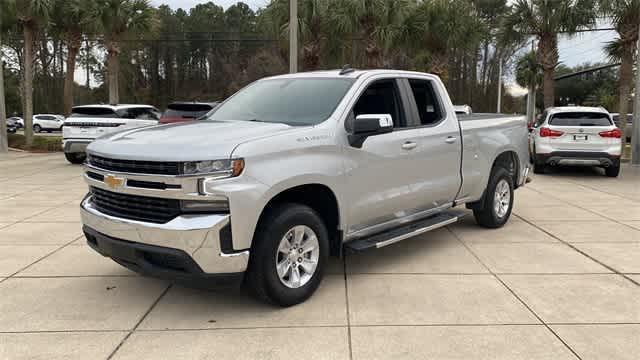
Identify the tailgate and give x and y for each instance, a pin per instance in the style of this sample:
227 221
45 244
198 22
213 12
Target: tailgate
90 128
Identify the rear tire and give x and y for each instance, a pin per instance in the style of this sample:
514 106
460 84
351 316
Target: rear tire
538 167
278 224
75 158
498 201
612 171
37 128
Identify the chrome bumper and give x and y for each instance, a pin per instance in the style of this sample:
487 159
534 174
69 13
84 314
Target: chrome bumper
196 235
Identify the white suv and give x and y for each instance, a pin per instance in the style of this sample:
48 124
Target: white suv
47 122
577 136
88 122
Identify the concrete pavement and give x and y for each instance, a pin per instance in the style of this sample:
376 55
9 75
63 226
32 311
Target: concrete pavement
559 281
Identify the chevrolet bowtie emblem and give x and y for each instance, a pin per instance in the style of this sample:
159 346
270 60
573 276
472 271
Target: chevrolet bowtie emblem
113 181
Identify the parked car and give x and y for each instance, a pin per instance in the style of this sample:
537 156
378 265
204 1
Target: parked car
576 136
186 111
18 121
88 122
12 126
294 168
462 109
629 128
47 122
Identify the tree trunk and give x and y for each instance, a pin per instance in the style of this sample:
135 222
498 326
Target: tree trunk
548 58
624 90
67 102
4 143
28 85
113 70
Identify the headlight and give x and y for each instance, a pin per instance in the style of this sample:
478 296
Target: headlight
218 169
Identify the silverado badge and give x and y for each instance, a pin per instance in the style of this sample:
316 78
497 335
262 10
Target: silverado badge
113 181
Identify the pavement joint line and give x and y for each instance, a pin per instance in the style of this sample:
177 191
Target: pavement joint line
346 299
319 327
579 207
144 316
518 298
610 268
604 192
40 259
73 276
484 273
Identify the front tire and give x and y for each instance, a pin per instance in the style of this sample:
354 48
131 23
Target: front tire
289 255
75 158
498 201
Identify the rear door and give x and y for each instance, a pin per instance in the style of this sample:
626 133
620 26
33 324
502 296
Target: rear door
436 159
580 131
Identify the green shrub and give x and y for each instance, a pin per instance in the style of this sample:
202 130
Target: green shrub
40 143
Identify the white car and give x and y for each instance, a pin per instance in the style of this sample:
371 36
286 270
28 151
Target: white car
88 122
576 136
47 122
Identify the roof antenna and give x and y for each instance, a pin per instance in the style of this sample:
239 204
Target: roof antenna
346 69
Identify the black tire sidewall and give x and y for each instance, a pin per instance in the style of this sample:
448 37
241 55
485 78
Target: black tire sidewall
487 216
282 220
37 128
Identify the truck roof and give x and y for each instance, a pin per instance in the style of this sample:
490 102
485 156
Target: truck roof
113 107
353 73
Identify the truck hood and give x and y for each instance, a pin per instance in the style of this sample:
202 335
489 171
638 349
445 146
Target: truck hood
192 141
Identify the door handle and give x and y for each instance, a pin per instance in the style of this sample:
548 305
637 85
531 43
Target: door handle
409 145
450 139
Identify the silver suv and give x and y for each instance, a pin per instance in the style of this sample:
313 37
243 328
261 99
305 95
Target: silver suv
576 136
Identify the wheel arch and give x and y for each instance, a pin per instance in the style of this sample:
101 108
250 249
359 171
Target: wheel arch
322 199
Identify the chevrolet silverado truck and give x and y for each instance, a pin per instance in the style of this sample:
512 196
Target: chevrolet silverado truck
293 169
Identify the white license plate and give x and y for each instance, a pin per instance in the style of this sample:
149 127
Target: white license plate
580 137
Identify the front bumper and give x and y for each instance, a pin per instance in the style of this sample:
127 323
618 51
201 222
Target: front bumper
200 239
75 145
579 158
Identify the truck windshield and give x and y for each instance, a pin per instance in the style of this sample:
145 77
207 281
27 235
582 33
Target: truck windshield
295 102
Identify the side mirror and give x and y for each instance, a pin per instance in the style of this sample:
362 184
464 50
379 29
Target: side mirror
366 125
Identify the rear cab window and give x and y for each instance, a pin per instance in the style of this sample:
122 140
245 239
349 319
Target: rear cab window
580 119
429 109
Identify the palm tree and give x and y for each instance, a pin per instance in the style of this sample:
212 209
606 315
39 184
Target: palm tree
31 15
117 19
545 19
378 23
625 16
434 28
73 18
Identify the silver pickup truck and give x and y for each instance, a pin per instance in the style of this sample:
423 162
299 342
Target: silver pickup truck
293 169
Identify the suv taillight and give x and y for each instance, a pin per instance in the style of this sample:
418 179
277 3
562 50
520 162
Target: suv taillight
615 133
546 132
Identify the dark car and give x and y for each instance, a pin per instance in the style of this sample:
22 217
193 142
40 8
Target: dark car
12 125
186 111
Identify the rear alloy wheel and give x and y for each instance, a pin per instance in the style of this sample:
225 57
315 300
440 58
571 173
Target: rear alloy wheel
37 128
288 256
498 202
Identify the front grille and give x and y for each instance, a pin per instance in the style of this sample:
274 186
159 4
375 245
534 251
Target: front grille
91 124
134 207
136 166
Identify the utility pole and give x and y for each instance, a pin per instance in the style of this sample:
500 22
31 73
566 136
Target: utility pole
635 131
293 36
499 84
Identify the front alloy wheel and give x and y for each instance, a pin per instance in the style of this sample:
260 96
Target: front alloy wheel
297 256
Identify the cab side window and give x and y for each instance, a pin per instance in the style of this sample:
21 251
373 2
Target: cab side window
427 102
381 97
